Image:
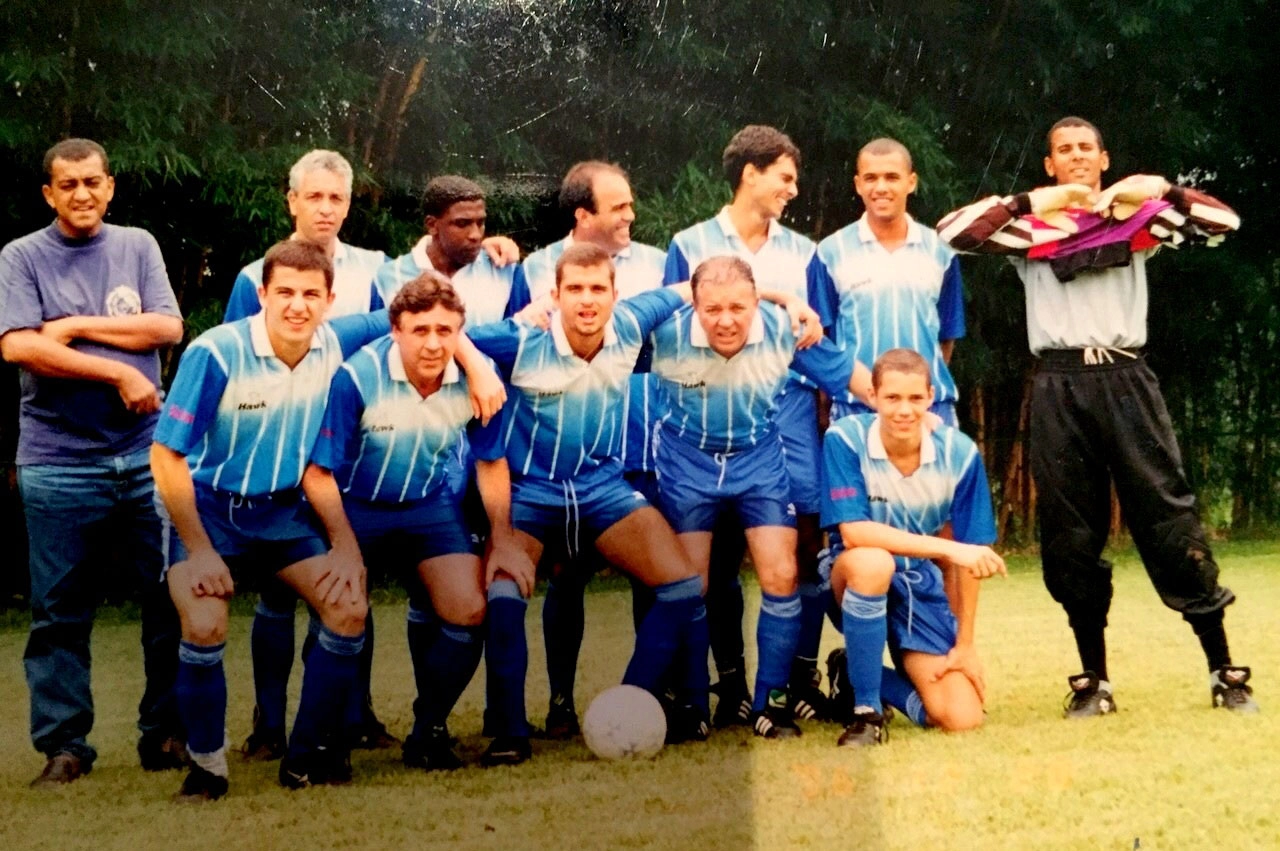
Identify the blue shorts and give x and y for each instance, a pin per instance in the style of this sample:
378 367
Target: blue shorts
573 511
920 617
797 421
945 410
401 535
262 533
645 481
694 486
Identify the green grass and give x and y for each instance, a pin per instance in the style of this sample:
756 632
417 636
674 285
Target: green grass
1166 770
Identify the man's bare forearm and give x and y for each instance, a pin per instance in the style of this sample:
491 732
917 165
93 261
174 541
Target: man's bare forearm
46 357
138 333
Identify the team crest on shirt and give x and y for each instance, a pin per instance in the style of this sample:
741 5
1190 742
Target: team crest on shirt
123 301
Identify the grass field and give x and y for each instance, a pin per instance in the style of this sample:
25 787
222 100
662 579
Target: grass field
1165 772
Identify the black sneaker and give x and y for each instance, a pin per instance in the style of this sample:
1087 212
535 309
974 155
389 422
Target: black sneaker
807 700
331 766
264 744
733 709
160 752
431 753
507 750
1088 697
840 697
868 728
201 785
1231 690
687 724
776 721
562 723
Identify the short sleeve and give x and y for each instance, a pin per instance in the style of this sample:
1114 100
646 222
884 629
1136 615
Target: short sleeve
154 289
520 297
951 303
360 329
243 300
341 422
676 270
486 441
844 492
972 520
828 365
823 297
192 403
651 308
20 306
499 341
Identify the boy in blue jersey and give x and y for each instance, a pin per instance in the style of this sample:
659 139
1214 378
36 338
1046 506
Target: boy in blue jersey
761 164
563 436
910 515
720 364
396 410
598 197
896 282
228 458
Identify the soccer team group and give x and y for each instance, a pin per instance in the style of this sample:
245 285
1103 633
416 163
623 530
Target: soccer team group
456 417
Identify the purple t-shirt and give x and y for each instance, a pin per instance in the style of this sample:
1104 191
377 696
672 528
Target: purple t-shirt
46 275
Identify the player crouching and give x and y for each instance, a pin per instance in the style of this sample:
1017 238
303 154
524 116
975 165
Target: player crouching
893 489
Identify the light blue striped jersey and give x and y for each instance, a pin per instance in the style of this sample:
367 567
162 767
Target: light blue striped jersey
245 420
353 289
780 264
950 485
638 268
566 418
727 405
383 440
489 293
908 298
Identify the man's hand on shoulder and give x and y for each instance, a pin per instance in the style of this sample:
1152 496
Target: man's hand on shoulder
502 250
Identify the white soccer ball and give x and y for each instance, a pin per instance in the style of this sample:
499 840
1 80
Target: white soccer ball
624 722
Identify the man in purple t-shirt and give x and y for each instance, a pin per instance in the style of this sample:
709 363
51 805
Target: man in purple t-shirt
84 307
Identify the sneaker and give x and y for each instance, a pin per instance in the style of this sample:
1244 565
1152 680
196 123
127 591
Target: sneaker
1089 697
159 752
840 697
431 753
1231 690
201 785
687 724
264 744
62 768
807 700
776 721
372 735
562 723
868 728
507 750
733 709
331 766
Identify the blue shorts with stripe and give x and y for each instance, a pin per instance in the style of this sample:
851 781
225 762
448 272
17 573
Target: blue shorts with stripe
797 422
920 617
946 411
261 534
694 486
573 512
400 535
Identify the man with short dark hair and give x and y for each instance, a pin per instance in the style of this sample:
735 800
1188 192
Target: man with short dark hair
84 307
1097 414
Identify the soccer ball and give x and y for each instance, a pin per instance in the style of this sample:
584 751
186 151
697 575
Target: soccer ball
624 722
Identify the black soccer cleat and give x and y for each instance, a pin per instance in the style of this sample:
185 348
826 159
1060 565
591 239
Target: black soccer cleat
202 785
1231 690
776 721
733 709
434 752
264 744
562 723
840 698
807 700
507 750
867 728
162 752
686 724
323 766
1089 697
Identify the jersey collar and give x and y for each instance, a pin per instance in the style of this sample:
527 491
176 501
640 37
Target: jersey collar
262 342
731 232
395 367
698 334
913 231
619 257
876 450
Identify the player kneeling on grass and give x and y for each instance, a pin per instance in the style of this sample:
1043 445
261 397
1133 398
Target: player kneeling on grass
396 410
228 459
721 364
892 488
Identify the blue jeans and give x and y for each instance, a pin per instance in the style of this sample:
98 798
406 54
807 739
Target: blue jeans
74 516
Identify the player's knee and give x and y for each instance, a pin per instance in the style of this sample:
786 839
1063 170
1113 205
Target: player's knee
464 611
204 626
957 717
347 617
867 570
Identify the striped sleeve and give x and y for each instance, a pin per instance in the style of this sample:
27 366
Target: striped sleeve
989 226
1208 218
